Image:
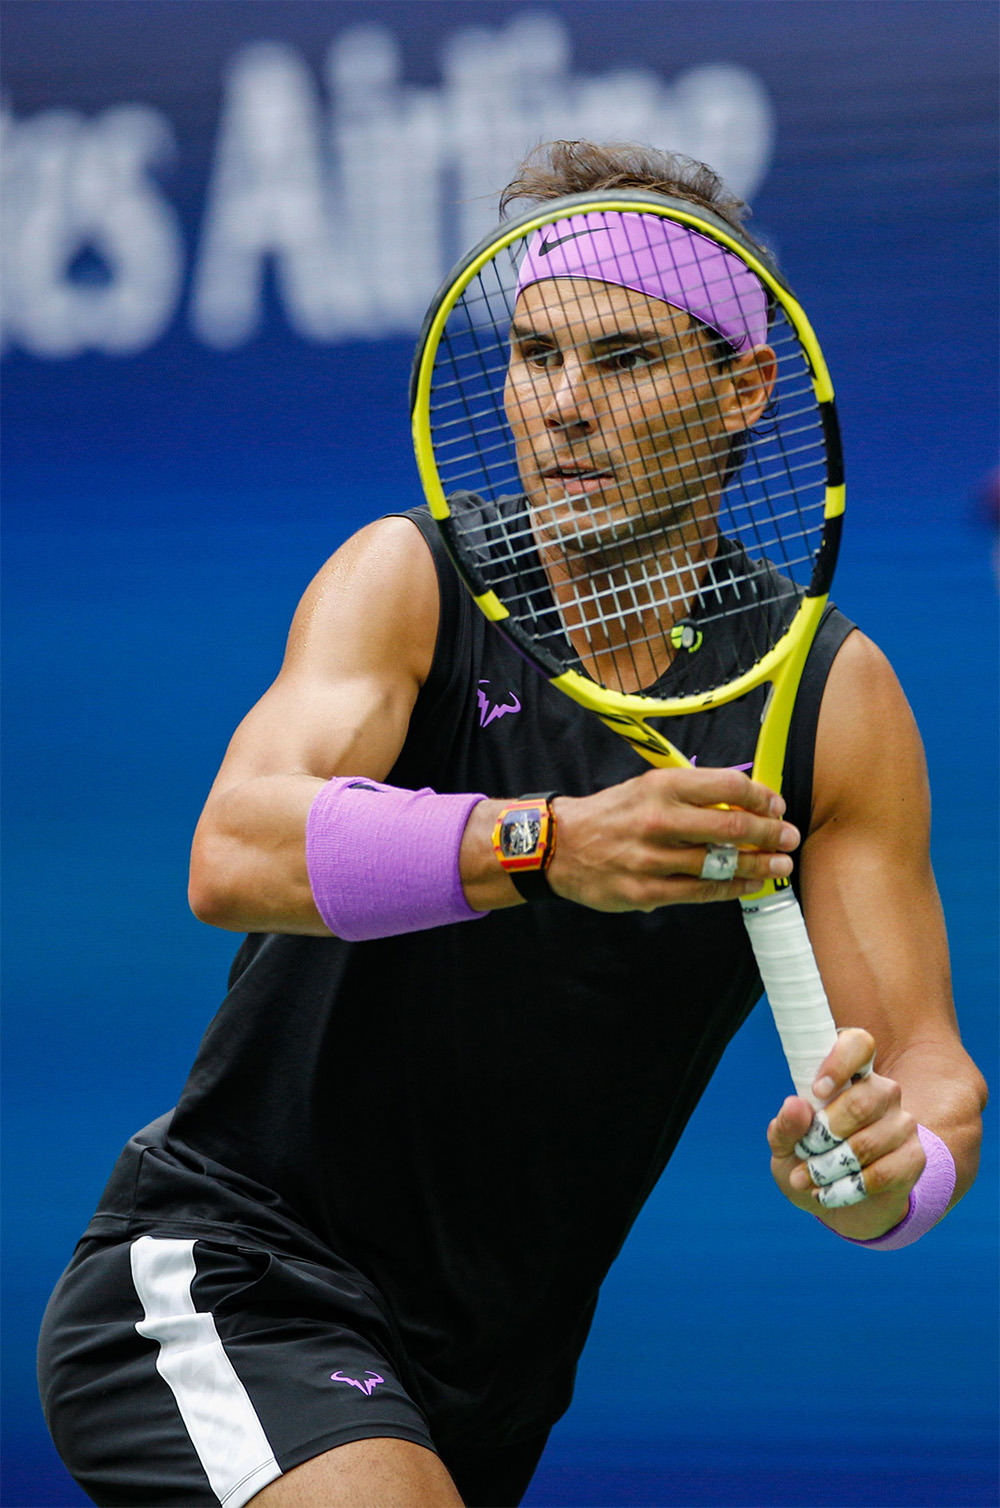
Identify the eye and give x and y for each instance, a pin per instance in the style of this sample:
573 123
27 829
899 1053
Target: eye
537 354
628 359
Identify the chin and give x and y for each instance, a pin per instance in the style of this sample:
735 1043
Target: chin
579 527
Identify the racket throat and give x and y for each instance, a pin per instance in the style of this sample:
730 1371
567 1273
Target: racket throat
648 742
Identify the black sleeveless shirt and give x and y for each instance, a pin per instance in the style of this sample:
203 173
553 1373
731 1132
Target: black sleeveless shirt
471 1116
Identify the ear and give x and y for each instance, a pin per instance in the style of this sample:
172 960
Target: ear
750 380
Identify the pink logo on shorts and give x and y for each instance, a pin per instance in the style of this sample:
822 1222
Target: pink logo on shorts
368 1386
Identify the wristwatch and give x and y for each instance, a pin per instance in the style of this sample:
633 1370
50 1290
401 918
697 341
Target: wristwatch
524 840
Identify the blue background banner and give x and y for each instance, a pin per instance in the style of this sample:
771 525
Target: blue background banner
221 225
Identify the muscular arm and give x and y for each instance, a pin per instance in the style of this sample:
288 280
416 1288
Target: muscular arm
875 919
360 648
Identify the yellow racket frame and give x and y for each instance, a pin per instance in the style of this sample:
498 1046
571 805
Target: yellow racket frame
628 713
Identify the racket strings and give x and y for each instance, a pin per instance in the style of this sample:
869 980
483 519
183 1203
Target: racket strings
721 523
640 586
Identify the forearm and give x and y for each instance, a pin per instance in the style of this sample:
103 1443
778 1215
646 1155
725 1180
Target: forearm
632 847
248 859
249 869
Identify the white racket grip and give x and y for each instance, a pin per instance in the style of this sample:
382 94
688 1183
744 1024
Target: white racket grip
787 965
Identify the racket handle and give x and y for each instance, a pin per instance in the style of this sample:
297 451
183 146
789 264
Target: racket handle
787 965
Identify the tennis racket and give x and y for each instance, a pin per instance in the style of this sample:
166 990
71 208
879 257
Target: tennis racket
625 429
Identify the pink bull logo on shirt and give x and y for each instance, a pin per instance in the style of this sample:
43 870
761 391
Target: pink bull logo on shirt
367 1386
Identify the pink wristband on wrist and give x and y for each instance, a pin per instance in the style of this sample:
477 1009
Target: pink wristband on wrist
929 1197
382 861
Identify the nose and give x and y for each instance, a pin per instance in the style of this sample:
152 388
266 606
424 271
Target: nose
570 405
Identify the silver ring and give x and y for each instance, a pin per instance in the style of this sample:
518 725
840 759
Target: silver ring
720 861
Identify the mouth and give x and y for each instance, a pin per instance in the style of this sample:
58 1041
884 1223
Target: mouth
577 480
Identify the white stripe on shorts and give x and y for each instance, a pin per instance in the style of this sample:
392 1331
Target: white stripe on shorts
215 1406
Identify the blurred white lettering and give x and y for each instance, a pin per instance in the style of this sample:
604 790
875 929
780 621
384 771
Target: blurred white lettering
269 199
76 195
358 201
387 146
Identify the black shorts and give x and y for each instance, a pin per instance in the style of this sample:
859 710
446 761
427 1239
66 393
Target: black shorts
176 1371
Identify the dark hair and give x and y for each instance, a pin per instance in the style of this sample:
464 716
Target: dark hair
582 167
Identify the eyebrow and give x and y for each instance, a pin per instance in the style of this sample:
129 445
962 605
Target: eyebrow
641 336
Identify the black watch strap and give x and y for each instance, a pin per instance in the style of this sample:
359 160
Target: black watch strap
533 884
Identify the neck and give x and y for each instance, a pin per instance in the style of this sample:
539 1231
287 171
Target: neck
619 604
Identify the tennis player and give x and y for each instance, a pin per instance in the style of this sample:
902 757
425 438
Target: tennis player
357 1263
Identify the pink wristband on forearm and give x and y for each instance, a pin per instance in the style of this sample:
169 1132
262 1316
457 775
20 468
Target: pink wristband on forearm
929 1197
382 861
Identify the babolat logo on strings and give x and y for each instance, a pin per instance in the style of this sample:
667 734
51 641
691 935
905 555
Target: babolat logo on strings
684 635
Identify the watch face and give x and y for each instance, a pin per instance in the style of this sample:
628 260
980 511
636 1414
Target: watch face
519 832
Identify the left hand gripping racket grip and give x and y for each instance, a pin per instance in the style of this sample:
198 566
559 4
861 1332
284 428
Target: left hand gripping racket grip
787 965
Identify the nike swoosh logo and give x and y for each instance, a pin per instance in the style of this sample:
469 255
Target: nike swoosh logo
548 246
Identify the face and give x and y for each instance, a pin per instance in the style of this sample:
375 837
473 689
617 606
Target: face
622 418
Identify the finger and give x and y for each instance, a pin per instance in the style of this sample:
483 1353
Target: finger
690 890
868 1147
827 1167
868 1066
719 806
680 827
870 1102
854 1051
849 1190
788 1126
712 787
895 1171
679 873
819 1139
724 861
823 1141
731 825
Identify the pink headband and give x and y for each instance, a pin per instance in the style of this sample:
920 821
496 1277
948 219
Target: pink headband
657 257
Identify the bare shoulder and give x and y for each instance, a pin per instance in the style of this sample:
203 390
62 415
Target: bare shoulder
360 648
375 601
869 760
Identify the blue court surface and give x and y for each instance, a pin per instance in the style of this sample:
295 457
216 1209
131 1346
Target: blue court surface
166 501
